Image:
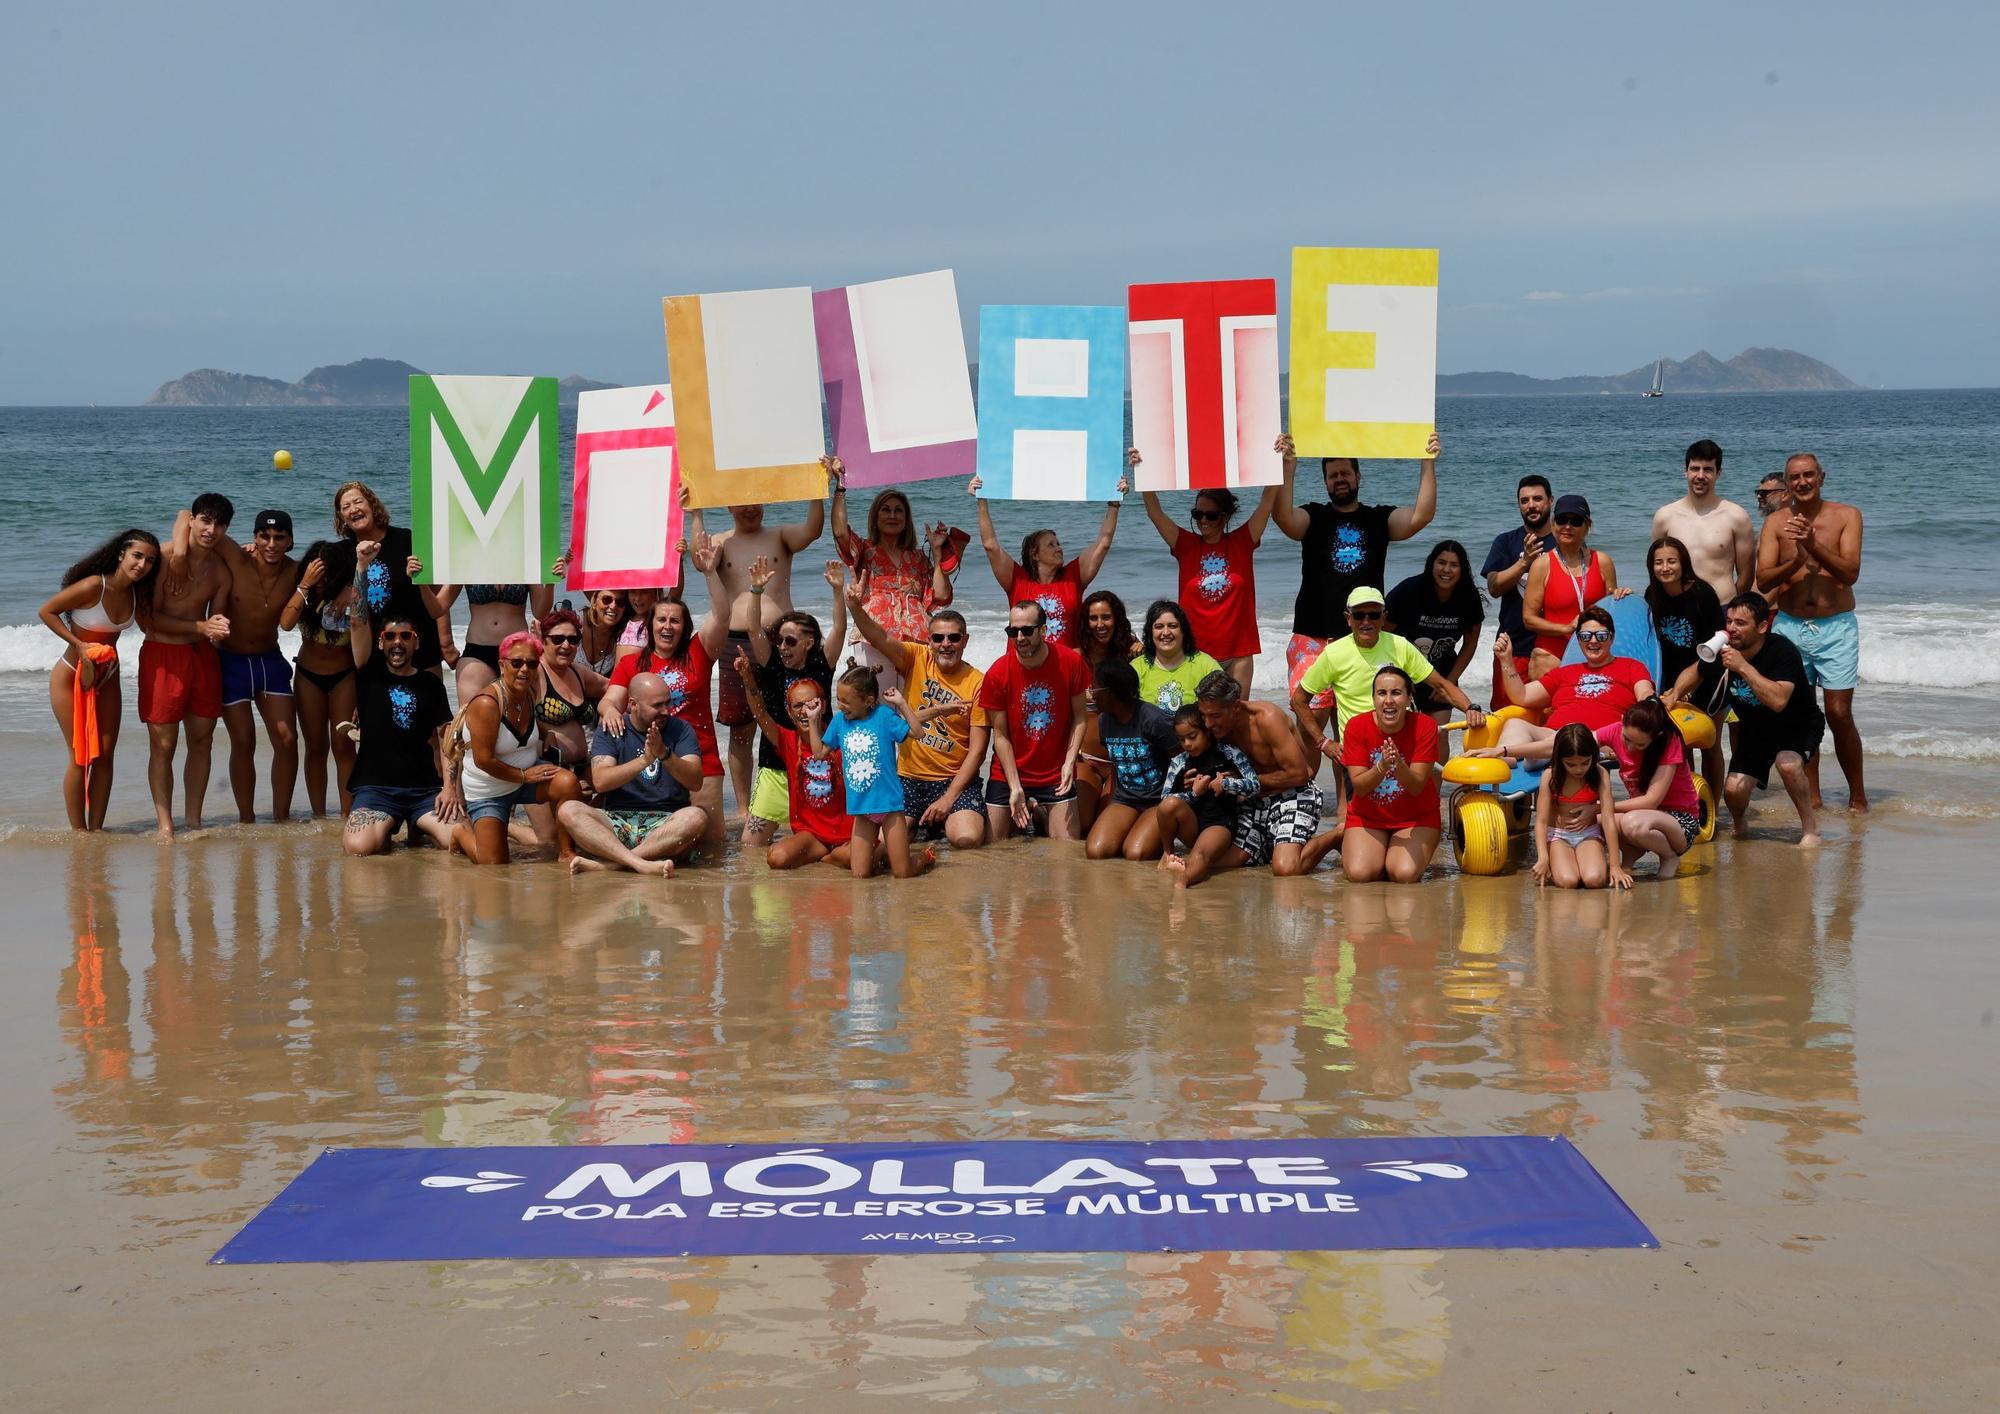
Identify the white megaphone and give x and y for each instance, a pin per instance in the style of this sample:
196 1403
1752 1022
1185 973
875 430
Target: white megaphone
1711 649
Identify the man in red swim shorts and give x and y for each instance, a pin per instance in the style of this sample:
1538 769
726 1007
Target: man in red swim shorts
180 678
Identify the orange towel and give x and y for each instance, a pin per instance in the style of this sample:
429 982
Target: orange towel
83 704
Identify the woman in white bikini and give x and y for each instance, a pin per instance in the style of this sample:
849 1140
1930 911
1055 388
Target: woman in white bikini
100 597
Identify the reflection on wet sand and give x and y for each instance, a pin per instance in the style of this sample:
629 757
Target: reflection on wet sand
231 1006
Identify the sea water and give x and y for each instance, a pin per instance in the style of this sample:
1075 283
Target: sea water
1916 462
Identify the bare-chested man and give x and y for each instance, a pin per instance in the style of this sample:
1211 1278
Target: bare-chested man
738 548
1808 558
179 677
262 576
1718 534
1276 826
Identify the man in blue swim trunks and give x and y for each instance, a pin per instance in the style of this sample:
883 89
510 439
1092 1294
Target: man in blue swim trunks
262 576
401 713
1808 558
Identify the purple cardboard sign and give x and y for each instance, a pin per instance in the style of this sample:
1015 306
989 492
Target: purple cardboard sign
898 391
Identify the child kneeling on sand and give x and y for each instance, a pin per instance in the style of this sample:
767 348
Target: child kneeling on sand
866 732
821 827
1206 787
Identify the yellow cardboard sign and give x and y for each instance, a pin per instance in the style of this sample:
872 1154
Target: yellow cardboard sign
1364 351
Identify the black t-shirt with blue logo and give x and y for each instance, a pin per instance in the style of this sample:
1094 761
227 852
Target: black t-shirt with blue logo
1799 724
1342 551
397 716
1682 625
1140 752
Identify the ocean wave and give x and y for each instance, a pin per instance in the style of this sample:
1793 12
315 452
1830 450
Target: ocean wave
1935 645
1935 745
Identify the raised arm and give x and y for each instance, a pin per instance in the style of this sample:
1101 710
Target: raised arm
542 597
1406 521
877 637
754 696
939 540
1092 559
761 573
1004 565
843 536
1531 695
1157 514
836 638
1286 512
360 632
796 537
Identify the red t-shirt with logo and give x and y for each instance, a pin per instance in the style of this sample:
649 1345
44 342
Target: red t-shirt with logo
687 694
819 800
1061 600
1596 697
1036 702
1219 592
1392 805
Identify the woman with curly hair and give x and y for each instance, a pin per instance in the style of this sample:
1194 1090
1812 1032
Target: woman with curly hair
101 595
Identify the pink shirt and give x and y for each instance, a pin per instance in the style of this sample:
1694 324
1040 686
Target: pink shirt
1681 797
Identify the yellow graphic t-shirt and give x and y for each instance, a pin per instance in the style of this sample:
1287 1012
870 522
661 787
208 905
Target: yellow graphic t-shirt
935 751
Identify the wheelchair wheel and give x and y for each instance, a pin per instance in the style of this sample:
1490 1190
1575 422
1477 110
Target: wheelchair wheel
1479 832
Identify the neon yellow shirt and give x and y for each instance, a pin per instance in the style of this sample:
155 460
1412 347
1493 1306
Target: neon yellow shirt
1349 670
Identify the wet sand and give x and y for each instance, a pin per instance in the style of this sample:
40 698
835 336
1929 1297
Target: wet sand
1782 1061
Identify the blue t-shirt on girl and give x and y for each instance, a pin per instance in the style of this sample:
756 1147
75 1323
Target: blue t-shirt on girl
868 758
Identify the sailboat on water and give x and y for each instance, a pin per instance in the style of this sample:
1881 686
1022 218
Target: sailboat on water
1658 390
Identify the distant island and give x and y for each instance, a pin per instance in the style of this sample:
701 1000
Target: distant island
385 382
1752 371
365 383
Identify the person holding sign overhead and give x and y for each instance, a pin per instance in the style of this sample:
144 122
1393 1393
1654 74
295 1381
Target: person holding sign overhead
1041 574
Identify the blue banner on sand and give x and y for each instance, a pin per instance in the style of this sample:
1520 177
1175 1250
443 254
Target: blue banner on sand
1271 1195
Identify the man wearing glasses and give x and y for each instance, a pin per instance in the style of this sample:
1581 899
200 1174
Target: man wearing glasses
1035 699
1345 671
401 713
939 761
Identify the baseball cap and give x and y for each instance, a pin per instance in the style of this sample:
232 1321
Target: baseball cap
1572 505
273 520
1364 595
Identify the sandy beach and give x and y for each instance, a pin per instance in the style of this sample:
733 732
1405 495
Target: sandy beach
1779 1060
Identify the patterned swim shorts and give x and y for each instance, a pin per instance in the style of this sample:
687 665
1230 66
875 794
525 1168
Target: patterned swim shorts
1290 817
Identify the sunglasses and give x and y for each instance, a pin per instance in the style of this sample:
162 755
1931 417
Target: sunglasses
1023 630
559 640
1572 520
522 664
401 636
1365 616
1593 635
947 638
793 640
1201 515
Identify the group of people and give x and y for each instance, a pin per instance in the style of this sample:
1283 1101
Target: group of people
867 742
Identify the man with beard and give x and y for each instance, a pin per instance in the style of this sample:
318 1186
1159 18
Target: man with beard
1719 537
400 713
1512 555
1342 545
1808 558
1770 688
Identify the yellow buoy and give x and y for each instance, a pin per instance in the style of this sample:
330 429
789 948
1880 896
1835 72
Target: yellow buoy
281 460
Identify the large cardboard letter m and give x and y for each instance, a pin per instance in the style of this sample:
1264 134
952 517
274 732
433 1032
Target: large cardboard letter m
485 454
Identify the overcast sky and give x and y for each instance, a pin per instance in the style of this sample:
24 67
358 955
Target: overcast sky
499 188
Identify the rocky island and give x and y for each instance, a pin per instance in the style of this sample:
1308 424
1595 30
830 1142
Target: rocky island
367 382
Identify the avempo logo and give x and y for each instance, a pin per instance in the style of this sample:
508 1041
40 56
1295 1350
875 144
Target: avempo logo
943 1239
